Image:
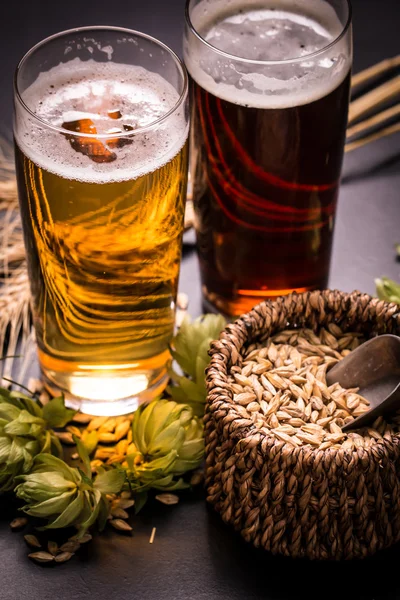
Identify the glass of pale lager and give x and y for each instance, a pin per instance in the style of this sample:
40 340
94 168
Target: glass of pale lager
270 84
101 126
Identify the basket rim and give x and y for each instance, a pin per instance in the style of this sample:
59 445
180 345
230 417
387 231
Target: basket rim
247 433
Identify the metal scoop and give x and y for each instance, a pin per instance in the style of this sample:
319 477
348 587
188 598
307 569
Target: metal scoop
374 367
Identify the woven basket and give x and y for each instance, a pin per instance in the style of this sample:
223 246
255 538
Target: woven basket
300 502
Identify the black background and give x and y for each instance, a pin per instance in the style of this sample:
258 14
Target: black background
194 555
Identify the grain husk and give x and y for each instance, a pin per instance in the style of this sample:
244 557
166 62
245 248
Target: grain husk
41 556
120 525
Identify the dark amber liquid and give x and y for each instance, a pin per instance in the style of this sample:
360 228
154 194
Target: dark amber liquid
265 187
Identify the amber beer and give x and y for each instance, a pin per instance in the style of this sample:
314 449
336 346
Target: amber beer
102 206
267 145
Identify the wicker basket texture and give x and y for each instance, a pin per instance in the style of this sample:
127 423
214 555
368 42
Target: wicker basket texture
299 502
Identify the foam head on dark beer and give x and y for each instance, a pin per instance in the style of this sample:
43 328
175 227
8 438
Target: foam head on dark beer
277 32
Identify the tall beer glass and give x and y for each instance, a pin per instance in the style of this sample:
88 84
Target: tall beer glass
101 126
270 88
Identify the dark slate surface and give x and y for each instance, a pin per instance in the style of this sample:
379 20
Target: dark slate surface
195 556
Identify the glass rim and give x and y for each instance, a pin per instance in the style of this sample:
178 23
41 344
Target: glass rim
103 136
286 61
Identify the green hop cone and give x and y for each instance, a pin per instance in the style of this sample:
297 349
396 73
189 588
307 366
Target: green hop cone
24 433
388 290
169 442
190 350
65 496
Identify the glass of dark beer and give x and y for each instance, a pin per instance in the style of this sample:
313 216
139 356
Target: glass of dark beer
270 84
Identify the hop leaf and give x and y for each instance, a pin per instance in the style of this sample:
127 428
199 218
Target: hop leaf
190 350
109 481
56 414
388 290
169 442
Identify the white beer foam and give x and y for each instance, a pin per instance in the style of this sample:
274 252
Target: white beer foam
264 33
88 89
